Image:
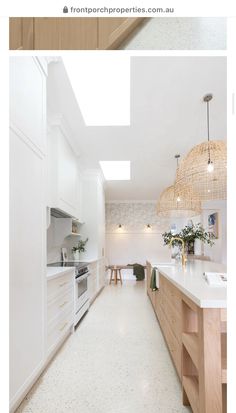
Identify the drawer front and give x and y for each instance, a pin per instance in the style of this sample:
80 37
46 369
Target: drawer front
56 307
59 285
54 33
172 293
173 344
173 317
59 328
157 304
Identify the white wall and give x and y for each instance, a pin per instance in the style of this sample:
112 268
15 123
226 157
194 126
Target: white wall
135 243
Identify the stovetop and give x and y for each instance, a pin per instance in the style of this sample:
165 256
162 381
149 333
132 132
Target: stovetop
76 264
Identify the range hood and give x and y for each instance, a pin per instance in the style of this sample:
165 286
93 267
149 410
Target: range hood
58 213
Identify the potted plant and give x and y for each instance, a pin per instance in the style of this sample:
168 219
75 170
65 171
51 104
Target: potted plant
80 247
189 234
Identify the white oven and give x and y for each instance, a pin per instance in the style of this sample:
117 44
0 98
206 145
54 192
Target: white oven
81 293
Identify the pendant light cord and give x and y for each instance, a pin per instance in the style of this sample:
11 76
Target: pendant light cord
208 133
177 164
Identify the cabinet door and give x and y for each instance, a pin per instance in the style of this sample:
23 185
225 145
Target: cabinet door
65 33
28 100
112 30
27 224
21 35
27 273
67 176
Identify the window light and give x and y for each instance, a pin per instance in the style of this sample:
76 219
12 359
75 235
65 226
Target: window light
116 170
101 84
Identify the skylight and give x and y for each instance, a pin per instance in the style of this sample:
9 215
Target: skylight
116 170
101 84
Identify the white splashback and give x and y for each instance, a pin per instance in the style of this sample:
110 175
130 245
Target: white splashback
58 237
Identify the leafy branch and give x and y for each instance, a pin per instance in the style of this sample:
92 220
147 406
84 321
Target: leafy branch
189 234
80 247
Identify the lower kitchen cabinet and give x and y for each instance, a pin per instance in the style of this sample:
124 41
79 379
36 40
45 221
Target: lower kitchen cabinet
21 33
190 332
69 33
96 280
60 309
65 33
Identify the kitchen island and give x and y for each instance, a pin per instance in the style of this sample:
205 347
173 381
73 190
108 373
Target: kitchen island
192 316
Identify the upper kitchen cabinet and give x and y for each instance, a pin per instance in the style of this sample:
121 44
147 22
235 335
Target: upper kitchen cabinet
21 33
113 30
93 215
70 33
63 173
28 100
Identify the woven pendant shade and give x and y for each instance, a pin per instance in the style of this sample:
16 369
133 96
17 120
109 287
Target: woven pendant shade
193 170
173 205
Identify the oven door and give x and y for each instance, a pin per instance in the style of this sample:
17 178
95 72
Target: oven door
81 290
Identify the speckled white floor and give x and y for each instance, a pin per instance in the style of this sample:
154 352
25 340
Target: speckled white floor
184 33
116 362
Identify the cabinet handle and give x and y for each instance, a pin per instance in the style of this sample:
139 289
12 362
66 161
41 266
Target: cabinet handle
61 285
62 328
62 305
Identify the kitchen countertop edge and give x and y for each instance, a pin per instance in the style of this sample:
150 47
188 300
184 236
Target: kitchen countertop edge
55 272
192 293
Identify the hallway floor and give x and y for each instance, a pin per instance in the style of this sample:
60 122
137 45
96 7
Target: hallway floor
184 33
116 362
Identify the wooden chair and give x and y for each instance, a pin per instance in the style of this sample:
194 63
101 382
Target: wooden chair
116 270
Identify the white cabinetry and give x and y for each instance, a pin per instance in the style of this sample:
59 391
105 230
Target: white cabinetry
60 309
27 100
27 223
101 274
63 173
96 280
93 216
92 281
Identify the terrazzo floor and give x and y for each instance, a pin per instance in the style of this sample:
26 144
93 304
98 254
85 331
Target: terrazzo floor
184 33
115 362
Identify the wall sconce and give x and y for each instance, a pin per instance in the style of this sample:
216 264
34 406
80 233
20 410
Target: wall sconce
148 226
119 226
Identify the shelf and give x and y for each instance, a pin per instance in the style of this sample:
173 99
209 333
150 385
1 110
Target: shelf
190 385
190 342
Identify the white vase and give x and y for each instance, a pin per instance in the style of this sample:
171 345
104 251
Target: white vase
76 255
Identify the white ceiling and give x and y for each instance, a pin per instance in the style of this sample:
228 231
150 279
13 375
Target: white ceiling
167 117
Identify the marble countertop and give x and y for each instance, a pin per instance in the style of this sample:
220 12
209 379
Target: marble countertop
191 282
54 272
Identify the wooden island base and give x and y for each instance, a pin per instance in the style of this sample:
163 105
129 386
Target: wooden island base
196 338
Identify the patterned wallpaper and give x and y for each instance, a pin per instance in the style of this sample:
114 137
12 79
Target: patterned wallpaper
134 217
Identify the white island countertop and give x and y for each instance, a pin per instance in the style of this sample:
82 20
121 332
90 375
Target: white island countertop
191 282
54 272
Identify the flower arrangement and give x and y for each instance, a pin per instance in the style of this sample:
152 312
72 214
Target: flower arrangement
189 234
80 247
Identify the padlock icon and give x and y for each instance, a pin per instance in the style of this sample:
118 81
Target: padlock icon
65 9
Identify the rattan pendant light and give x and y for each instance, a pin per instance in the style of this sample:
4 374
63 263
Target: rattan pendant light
173 204
205 167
